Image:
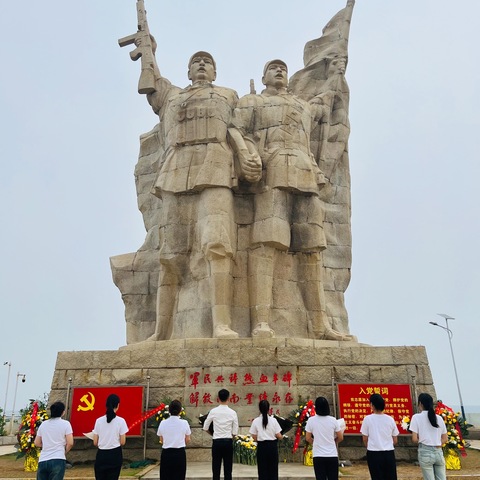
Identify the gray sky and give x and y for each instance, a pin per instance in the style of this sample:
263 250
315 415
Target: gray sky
70 121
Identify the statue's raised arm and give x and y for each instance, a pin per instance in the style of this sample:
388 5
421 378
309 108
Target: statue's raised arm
322 82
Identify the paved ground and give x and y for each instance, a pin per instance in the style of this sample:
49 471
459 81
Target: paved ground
201 470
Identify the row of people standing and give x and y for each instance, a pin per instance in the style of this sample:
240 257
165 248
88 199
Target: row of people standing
379 434
55 438
222 424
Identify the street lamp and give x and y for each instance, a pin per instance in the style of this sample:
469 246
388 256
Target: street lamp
15 399
450 335
6 390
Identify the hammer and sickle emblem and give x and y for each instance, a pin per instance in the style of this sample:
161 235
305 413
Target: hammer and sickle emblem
89 400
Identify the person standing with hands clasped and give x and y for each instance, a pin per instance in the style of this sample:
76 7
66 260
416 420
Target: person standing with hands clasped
225 427
380 435
429 431
55 438
109 436
174 433
265 430
324 432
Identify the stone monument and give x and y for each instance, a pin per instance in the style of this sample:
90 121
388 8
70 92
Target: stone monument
240 281
246 202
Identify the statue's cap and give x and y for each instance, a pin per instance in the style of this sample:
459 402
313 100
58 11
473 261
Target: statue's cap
201 53
276 61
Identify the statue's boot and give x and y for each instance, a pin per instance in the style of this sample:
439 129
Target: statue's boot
262 329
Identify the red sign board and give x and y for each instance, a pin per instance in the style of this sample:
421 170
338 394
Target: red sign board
88 404
353 400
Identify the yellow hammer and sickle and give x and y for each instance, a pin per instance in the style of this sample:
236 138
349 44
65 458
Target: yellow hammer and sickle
85 400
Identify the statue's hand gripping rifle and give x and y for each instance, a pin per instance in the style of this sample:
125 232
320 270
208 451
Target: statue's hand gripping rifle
145 50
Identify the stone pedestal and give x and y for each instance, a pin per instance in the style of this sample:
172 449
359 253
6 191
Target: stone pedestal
283 369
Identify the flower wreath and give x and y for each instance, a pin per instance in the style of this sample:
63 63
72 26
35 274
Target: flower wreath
300 416
453 423
32 417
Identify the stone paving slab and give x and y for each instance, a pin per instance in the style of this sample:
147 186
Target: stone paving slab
7 449
199 470
286 471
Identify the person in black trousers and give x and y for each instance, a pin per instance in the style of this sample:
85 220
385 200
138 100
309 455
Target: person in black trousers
266 431
380 434
225 427
174 433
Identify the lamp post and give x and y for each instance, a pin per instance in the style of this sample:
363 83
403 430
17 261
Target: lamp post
15 399
450 335
6 390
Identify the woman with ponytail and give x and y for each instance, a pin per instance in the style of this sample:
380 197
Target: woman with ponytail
265 430
109 436
429 431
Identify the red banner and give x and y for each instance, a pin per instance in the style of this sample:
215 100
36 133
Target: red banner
354 404
88 404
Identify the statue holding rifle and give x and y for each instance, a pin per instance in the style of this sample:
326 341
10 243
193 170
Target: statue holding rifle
249 225
194 181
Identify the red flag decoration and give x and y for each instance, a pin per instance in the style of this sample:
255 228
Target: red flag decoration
33 418
146 416
88 404
307 412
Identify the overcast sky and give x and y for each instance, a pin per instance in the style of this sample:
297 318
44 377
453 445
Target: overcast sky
70 121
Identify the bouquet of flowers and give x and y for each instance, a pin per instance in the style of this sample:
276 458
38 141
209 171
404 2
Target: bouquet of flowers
406 422
245 450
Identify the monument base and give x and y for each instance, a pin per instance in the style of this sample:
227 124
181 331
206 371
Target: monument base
283 370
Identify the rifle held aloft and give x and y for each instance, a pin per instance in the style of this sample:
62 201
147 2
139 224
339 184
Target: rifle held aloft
143 50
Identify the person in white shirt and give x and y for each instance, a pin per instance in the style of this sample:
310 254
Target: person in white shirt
109 436
225 427
174 433
324 432
429 431
380 435
55 438
265 430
